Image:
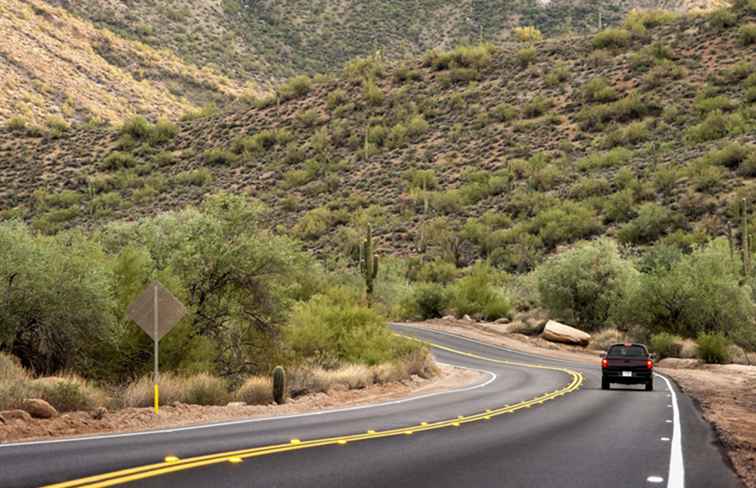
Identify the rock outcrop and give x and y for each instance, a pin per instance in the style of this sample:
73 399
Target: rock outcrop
40 409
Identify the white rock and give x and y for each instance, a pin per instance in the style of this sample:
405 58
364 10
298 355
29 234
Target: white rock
556 332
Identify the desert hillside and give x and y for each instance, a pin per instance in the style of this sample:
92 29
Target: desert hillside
54 64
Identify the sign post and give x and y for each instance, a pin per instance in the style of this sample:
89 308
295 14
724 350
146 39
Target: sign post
156 311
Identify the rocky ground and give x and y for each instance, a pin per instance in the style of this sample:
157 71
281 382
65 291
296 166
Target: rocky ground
725 394
18 425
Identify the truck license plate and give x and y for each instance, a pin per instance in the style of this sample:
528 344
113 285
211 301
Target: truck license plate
627 374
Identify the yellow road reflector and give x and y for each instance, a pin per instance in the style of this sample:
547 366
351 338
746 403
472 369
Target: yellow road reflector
341 442
456 424
235 460
371 432
423 423
487 417
408 432
171 459
295 441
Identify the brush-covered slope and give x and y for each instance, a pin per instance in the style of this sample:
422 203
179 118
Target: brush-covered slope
55 64
645 132
267 40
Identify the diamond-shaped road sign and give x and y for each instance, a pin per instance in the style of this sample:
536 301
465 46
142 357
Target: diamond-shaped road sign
169 310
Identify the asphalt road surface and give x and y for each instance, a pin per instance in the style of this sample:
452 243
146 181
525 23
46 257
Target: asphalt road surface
536 423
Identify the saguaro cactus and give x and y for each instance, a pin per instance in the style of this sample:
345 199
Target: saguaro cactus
369 263
279 385
745 238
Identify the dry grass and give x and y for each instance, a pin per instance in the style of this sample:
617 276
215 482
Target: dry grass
199 389
66 393
256 390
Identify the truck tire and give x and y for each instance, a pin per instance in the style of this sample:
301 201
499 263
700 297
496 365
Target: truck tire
604 384
650 385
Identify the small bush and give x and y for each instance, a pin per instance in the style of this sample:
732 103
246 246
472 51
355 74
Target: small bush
480 294
118 160
599 90
713 348
628 135
666 345
715 126
373 93
526 55
652 222
314 223
504 112
296 87
462 57
731 155
427 301
195 177
747 33
16 124
219 157
623 110
536 107
205 389
724 18
527 33
710 104
256 390
611 38
608 159
68 394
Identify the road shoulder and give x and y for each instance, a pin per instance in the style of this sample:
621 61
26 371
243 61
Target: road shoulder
182 415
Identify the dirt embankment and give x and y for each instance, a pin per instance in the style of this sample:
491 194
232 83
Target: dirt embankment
726 394
179 414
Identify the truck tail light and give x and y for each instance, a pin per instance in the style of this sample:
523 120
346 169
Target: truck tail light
650 364
604 363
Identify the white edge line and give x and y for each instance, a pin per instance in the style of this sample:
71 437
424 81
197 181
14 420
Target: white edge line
676 478
491 379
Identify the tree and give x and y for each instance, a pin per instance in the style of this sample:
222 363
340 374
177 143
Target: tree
588 285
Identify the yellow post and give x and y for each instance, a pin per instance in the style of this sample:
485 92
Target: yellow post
156 399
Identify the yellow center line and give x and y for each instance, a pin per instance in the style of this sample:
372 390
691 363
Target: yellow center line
175 465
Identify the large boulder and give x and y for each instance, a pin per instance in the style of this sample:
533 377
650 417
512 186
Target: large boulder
40 409
556 332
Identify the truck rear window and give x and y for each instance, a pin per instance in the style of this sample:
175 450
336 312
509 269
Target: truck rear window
629 351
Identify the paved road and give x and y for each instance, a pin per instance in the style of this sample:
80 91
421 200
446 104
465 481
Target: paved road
581 438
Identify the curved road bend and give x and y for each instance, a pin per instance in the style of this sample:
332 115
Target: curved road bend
547 428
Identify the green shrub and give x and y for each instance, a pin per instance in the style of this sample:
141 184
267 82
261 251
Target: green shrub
723 18
623 110
526 55
713 348
194 177
608 159
747 33
336 98
612 38
437 271
715 126
558 75
504 112
314 223
68 394
599 90
427 301
588 285
296 87
480 294
710 104
219 157
652 222
335 327
627 135
163 131
137 127
568 222
666 345
694 293
372 92
118 160
730 155
462 57
16 124
536 107
649 18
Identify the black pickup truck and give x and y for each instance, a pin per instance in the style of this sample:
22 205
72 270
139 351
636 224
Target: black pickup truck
627 364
